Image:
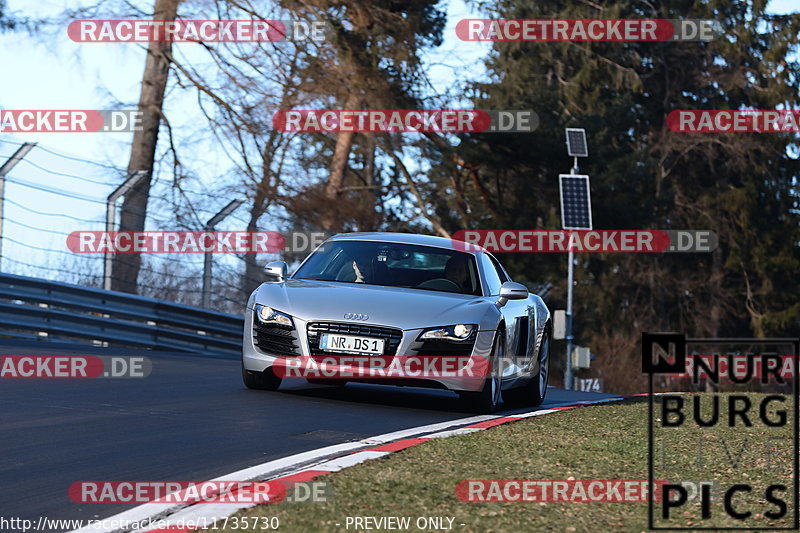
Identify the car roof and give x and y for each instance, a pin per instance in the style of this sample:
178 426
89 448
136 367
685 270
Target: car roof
408 238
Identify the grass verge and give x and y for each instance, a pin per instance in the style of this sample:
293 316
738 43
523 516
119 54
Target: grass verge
606 441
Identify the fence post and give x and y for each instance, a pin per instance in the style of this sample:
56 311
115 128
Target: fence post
210 225
5 169
111 219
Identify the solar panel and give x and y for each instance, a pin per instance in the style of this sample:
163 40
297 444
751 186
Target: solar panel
576 142
576 201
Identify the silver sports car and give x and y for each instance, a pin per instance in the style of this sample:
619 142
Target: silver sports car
392 298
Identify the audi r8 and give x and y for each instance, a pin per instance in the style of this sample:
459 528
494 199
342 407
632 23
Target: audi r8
397 297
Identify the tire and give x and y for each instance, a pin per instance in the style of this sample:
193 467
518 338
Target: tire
265 380
333 382
487 399
533 392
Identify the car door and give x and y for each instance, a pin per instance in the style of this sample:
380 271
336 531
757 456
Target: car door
519 317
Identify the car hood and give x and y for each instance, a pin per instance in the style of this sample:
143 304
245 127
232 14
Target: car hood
390 306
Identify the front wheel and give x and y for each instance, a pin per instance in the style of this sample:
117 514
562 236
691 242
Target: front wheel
534 391
266 380
487 399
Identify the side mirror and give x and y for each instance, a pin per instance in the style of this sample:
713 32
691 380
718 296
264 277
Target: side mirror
511 291
276 271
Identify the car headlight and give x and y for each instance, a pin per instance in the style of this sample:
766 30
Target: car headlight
458 332
268 315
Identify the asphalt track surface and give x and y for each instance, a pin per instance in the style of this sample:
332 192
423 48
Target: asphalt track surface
191 419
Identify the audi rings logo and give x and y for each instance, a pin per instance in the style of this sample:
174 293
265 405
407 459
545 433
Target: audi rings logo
356 316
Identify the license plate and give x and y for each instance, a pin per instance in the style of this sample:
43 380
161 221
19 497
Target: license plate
350 344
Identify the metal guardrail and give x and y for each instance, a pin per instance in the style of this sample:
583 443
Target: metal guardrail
37 309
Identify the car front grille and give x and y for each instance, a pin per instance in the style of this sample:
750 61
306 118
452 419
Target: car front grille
392 336
275 338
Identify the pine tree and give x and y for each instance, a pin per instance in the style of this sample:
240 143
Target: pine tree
743 186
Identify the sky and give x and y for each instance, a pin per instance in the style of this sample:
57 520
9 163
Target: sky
52 72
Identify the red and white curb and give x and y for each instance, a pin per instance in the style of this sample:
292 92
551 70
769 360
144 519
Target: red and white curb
310 465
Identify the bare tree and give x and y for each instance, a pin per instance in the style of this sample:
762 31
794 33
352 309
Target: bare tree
143 147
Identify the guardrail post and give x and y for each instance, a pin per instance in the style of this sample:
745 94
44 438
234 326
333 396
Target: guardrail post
5 169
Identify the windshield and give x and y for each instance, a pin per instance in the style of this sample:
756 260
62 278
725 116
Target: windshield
393 265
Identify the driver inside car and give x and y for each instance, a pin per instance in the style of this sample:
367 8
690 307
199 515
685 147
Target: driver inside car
375 271
362 271
456 271
362 267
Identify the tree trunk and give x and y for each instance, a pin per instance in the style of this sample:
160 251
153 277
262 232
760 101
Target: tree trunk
341 154
253 273
125 268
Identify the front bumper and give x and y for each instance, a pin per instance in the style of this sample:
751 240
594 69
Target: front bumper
257 359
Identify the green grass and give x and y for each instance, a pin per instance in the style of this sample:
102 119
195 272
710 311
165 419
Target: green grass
607 441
